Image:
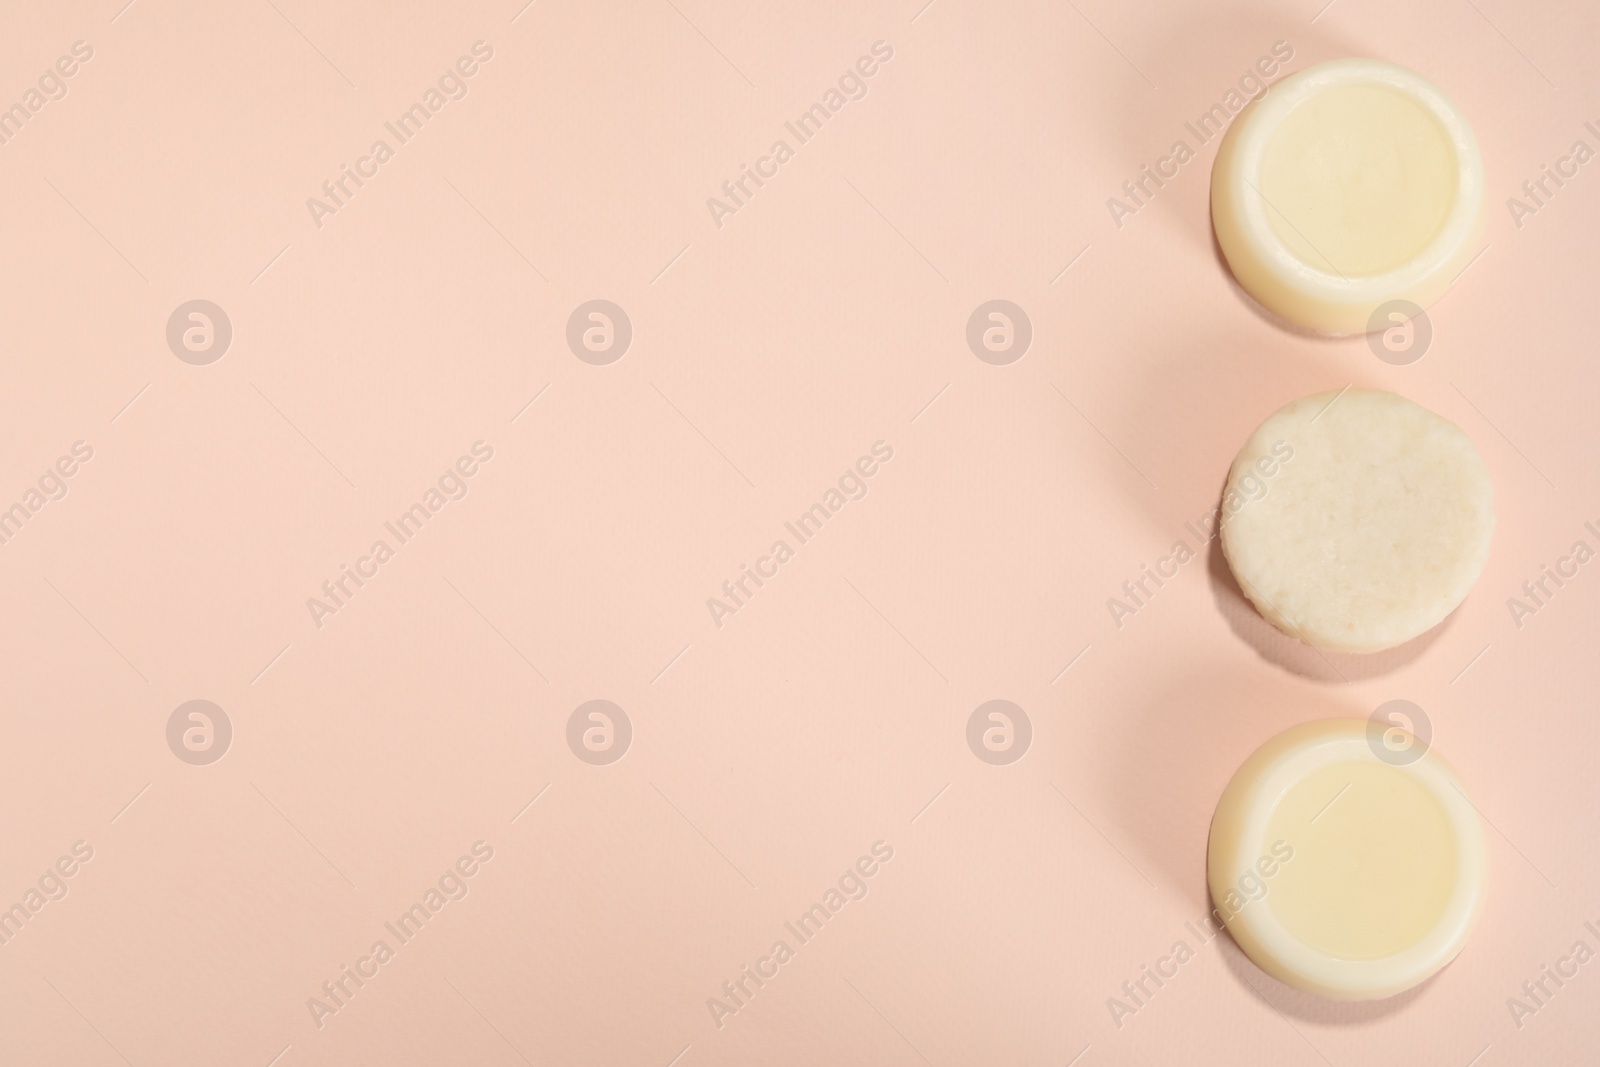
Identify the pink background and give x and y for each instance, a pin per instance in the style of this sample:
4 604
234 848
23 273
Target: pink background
768 354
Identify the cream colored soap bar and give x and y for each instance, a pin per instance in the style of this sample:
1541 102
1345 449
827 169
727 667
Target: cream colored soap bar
1357 520
1348 185
1346 860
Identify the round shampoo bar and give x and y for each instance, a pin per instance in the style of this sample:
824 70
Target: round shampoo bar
1348 185
1357 520
1344 872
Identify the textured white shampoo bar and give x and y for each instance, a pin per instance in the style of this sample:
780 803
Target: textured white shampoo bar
1374 529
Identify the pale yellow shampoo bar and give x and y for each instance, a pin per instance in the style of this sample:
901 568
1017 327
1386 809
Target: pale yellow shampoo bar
1344 864
1348 185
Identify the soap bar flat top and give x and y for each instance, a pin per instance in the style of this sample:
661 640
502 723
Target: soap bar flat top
1348 185
1346 859
1356 521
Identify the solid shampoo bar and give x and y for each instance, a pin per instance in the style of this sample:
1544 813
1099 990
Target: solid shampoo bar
1347 864
1374 527
1348 185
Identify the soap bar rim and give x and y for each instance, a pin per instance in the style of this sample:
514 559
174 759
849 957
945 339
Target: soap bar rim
1257 929
1254 248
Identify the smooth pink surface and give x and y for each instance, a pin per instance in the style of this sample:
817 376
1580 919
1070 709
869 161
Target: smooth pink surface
829 713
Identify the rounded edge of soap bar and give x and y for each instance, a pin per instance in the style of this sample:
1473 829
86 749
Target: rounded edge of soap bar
1238 831
1286 284
1331 628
